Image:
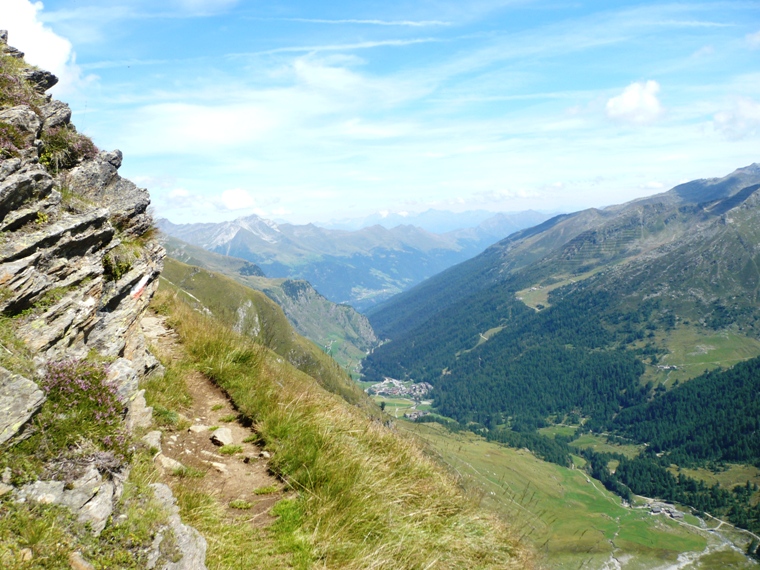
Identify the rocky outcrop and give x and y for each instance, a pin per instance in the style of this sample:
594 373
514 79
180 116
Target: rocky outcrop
78 267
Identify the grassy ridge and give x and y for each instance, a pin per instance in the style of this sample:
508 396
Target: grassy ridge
255 315
367 498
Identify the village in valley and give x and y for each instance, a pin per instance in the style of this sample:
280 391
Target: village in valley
402 399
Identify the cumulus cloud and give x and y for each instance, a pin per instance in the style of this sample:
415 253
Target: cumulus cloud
637 104
754 40
741 121
237 199
41 45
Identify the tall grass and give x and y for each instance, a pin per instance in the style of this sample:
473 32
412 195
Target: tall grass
367 497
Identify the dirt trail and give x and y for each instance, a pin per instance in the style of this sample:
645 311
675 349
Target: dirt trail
227 477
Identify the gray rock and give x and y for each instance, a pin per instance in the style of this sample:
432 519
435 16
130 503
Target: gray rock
98 180
222 436
55 114
198 428
98 509
45 492
153 439
27 181
5 489
25 120
124 377
40 79
140 415
83 489
19 400
188 542
168 463
6 476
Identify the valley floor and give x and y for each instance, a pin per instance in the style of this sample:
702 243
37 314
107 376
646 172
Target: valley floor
573 521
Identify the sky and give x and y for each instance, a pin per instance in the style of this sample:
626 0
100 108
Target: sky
316 111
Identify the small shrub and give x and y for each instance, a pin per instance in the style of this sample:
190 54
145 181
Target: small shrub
253 438
268 490
164 417
11 141
230 449
216 407
213 428
228 418
189 472
79 422
81 398
114 268
240 504
63 147
14 90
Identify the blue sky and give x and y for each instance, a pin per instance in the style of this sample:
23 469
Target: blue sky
310 111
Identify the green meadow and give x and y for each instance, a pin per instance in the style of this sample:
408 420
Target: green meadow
571 519
692 350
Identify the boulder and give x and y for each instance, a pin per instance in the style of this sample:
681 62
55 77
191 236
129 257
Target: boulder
139 415
19 400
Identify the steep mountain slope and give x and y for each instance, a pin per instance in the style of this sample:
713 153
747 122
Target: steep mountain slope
360 268
342 332
638 280
253 314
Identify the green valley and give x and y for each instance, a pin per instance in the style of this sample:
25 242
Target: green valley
572 519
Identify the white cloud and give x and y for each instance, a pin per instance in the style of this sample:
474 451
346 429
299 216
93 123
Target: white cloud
754 40
237 199
742 121
177 128
637 104
41 45
654 185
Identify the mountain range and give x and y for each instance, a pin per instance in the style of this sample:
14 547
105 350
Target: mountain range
338 329
361 267
669 284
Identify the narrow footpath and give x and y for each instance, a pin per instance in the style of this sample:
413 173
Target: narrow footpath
239 479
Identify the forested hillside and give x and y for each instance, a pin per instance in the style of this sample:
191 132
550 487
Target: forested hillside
636 325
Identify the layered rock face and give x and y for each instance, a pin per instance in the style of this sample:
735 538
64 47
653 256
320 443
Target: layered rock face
78 267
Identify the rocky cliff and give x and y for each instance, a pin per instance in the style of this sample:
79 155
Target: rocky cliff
78 266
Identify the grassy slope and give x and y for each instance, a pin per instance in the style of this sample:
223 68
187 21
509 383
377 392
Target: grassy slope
348 333
251 311
574 523
367 498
